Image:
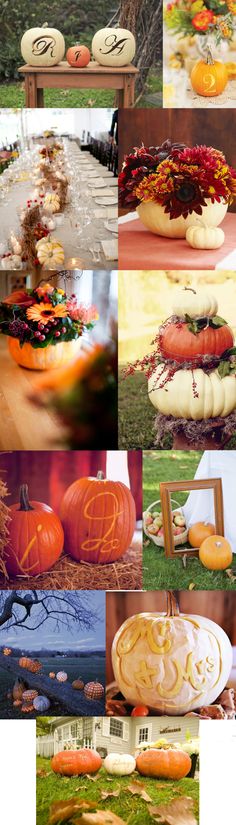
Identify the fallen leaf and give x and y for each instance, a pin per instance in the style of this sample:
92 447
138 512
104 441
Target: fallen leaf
102 818
92 778
138 789
177 812
106 794
146 543
230 574
63 811
191 586
42 773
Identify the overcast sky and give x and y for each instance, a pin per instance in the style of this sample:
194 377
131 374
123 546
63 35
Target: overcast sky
48 637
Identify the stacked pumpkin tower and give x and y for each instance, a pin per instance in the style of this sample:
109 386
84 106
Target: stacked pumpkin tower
192 375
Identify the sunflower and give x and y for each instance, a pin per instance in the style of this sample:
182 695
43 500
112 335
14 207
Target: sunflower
45 312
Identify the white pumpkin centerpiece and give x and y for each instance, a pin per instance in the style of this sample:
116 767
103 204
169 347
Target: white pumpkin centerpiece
192 394
119 764
113 47
43 46
170 662
196 303
154 217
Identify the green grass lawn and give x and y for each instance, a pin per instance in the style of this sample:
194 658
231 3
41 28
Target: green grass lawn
137 416
12 95
131 808
159 572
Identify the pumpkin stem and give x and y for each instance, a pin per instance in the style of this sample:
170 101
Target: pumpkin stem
100 475
24 498
209 59
172 603
190 289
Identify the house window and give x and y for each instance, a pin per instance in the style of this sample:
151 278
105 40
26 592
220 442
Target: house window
87 727
143 735
116 728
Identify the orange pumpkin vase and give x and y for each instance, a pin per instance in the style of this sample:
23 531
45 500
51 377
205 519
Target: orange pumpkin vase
215 553
36 537
98 517
200 531
75 763
161 763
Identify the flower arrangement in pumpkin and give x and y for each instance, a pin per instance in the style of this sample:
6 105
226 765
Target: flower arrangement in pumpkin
177 177
45 316
193 349
190 17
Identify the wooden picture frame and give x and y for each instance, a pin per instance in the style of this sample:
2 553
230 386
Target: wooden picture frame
169 487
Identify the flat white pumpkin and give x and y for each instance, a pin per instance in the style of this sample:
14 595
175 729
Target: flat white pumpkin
50 252
205 237
172 664
215 395
119 764
43 46
52 202
154 217
194 302
113 47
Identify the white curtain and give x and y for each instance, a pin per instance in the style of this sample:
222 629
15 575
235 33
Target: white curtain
200 503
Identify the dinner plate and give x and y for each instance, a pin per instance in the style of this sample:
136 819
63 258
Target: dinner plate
105 201
112 226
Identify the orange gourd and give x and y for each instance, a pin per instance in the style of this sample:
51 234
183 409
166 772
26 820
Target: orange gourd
209 77
170 763
33 665
98 517
36 537
179 344
75 763
7 651
215 553
200 531
78 56
78 684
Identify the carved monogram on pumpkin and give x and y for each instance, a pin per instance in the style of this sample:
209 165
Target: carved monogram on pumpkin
197 674
105 543
44 44
114 45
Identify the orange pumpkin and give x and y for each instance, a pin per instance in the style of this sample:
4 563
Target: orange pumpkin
209 77
170 763
179 344
75 763
7 651
33 665
52 675
78 684
94 690
78 56
36 537
98 517
200 531
215 553
28 696
27 708
17 703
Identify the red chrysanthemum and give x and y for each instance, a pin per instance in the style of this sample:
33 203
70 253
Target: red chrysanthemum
142 162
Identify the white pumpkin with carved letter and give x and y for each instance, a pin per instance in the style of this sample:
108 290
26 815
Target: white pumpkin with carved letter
43 46
119 764
171 662
113 47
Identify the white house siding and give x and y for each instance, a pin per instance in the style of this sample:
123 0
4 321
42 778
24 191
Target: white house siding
114 734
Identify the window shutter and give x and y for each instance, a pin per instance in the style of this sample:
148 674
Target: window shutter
126 731
106 727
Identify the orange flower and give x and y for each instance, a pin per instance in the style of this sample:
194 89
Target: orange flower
45 289
45 312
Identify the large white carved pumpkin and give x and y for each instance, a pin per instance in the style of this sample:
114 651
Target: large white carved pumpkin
194 302
119 764
171 662
215 395
113 47
158 221
43 46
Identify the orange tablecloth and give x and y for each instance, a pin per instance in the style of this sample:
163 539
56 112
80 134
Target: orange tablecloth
140 249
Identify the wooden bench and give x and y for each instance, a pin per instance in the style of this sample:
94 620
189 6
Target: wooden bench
63 76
